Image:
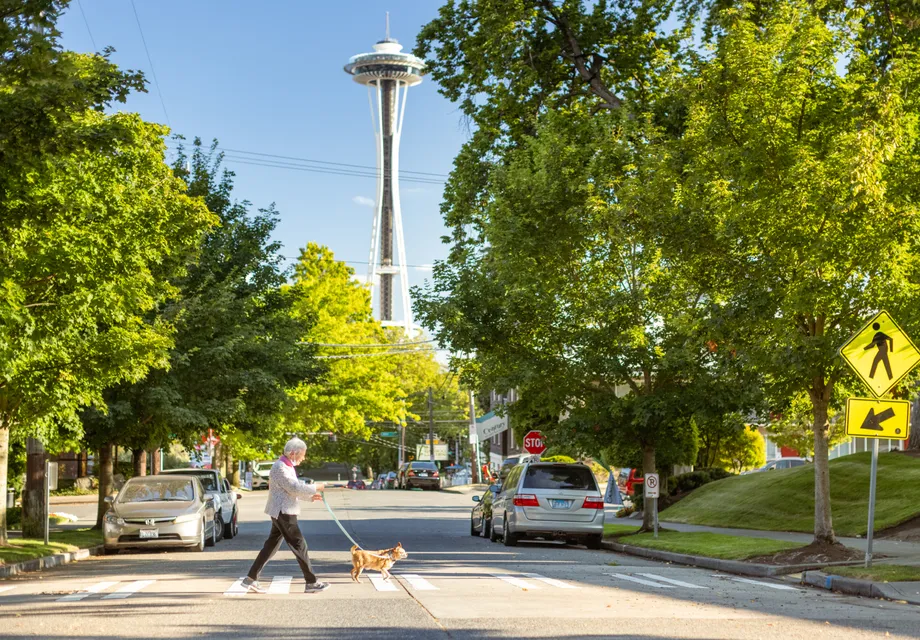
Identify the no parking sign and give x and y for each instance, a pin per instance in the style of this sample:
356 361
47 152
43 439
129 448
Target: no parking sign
651 485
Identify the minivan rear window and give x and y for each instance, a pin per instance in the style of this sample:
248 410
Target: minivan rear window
559 477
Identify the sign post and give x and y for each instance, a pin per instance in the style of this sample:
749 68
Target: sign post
881 354
534 443
651 493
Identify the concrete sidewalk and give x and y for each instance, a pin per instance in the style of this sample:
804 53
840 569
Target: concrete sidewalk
898 552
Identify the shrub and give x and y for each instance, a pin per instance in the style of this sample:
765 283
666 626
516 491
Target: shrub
625 511
14 517
695 479
565 459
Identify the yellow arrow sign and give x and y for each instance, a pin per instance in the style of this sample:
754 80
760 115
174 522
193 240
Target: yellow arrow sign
870 418
881 354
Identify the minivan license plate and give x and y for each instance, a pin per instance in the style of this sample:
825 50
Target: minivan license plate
560 504
149 534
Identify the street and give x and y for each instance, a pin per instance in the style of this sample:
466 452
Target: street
452 585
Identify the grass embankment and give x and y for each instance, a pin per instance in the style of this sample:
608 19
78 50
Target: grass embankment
784 500
879 573
712 545
20 550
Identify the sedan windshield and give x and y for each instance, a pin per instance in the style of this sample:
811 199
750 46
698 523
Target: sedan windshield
158 490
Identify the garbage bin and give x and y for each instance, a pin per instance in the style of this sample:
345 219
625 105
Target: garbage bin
10 499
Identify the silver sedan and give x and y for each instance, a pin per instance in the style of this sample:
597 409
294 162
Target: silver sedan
160 511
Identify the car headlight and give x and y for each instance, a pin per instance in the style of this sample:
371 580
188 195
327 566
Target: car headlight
111 518
188 517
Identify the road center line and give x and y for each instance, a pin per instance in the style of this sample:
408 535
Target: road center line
128 589
96 588
647 583
678 583
550 581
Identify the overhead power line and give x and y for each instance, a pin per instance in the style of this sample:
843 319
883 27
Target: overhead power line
327 162
324 170
153 71
381 344
88 30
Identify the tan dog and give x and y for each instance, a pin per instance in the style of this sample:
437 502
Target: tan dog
382 560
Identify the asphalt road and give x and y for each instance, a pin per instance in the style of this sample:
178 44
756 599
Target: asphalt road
451 586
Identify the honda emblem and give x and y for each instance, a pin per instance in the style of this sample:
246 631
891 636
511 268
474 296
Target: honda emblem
149 521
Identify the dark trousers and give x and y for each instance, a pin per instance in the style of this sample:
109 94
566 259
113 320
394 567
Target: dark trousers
284 527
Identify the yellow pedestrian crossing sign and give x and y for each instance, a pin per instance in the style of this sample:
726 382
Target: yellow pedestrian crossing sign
871 418
881 354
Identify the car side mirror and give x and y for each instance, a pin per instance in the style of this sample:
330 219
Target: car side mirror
477 499
109 499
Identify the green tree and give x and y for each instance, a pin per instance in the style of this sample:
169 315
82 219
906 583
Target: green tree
794 427
91 221
803 188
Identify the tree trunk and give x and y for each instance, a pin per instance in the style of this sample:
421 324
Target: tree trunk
33 497
4 462
82 464
648 466
156 465
824 527
140 462
106 481
914 442
235 473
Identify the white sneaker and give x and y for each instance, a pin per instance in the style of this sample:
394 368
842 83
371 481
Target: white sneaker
253 585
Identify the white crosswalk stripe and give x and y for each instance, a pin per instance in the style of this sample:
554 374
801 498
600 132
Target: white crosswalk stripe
678 583
128 589
550 581
382 585
417 582
647 583
517 582
3 589
781 587
236 590
280 584
96 588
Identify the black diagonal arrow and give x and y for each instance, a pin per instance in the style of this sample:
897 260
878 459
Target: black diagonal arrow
874 422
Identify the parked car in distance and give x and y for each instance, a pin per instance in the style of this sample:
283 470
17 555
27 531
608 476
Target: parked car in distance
160 511
549 501
482 513
356 484
218 488
420 473
780 463
391 480
633 478
260 472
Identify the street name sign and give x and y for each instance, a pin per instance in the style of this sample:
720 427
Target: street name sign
870 418
881 354
651 485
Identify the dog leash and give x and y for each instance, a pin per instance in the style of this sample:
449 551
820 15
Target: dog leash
336 520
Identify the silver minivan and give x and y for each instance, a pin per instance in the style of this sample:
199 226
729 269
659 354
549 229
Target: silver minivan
550 501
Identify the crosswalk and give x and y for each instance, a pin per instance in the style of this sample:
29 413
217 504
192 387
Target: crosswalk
429 582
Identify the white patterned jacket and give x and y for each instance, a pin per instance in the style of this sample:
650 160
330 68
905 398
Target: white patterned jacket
285 491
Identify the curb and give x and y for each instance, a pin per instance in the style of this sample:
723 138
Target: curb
717 564
87 499
462 489
46 562
855 587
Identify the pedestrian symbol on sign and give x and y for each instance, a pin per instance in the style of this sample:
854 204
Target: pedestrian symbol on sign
881 342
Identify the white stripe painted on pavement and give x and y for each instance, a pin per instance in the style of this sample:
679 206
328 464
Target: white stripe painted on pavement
382 585
517 582
418 582
783 587
237 590
128 589
2 589
96 588
280 584
647 583
678 583
550 581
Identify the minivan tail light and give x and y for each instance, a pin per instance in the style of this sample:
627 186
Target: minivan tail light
593 503
525 500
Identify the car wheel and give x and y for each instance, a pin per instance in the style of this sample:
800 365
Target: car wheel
594 542
508 538
485 528
232 528
218 531
110 551
473 531
201 542
492 536
212 539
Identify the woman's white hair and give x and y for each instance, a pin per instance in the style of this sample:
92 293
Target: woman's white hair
294 445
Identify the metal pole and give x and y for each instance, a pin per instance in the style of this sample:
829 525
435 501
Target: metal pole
655 507
872 475
402 444
430 424
47 500
474 448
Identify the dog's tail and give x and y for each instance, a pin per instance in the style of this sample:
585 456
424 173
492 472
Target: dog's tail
353 548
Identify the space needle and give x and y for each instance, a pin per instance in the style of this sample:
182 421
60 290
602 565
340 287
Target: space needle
388 73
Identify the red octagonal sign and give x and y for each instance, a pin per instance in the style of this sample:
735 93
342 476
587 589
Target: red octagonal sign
533 443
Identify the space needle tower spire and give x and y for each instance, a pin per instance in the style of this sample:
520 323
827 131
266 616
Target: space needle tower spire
388 73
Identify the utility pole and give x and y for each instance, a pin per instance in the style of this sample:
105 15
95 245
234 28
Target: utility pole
430 424
474 441
402 444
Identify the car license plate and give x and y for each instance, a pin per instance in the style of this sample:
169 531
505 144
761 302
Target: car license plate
560 504
149 534
423 474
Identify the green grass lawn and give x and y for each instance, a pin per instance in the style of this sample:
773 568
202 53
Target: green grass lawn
20 550
879 573
784 500
713 545
619 529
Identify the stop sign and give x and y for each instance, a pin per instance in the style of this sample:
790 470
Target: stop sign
533 443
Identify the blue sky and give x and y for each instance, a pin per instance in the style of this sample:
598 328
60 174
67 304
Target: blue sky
267 77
